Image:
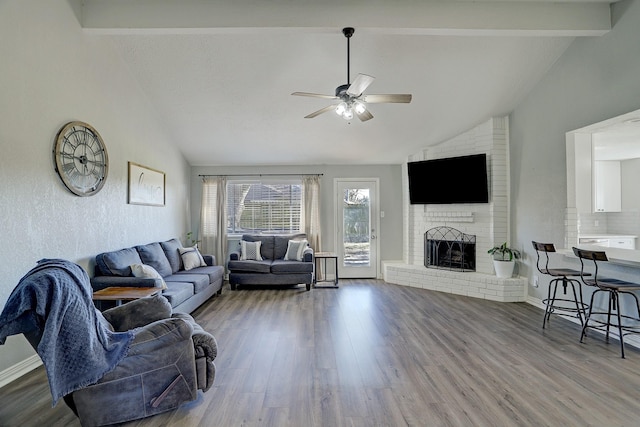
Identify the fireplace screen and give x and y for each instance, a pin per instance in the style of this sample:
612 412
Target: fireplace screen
449 249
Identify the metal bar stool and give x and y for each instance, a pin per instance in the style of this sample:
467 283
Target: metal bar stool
602 320
561 306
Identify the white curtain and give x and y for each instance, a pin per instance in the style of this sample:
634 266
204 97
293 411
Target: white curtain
311 207
213 218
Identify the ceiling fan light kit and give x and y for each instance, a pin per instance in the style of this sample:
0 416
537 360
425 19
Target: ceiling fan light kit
350 98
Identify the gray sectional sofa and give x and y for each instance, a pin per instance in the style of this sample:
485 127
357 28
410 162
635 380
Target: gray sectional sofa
273 268
185 290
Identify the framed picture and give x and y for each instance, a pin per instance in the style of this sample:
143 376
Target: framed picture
146 185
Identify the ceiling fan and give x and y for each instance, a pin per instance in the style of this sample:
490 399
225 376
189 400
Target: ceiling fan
349 97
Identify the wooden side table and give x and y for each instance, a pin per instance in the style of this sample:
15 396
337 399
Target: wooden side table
121 293
324 256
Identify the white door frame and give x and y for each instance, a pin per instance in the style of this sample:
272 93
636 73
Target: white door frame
375 217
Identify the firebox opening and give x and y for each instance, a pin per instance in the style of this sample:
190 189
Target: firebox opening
449 249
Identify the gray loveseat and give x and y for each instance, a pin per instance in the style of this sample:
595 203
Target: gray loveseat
273 268
186 289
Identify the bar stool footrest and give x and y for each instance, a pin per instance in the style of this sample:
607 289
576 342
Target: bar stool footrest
571 305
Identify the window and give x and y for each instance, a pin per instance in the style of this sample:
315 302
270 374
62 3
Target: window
264 207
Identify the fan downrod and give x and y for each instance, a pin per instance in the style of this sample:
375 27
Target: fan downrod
348 32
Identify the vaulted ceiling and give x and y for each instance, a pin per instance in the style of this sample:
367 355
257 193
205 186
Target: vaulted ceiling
220 73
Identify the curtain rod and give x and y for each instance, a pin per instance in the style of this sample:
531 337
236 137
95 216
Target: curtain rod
267 174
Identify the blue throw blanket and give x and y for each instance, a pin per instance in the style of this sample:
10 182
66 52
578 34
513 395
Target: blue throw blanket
53 302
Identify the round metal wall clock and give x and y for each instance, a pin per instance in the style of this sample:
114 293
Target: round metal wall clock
80 158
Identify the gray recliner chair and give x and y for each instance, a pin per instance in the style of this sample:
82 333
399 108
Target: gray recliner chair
129 362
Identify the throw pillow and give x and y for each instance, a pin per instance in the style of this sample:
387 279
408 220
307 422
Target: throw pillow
143 270
191 257
295 249
153 255
250 250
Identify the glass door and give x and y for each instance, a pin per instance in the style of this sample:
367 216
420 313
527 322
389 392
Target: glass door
356 227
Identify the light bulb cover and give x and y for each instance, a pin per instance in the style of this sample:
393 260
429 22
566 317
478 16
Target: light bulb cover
359 107
341 108
348 114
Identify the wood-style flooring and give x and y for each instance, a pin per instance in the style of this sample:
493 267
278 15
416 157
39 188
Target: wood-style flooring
376 354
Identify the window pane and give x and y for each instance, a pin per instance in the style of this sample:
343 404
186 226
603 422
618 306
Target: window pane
356 214
254 207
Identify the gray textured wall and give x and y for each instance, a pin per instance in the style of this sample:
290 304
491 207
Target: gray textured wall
596 78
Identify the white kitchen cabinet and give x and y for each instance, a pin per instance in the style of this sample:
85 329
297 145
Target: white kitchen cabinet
622 242
609 241
607 196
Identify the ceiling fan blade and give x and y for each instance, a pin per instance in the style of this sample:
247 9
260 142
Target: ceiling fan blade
360 83
387 99
366 115
314 95
320 111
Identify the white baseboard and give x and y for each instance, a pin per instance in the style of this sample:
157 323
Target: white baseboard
633 340
537 302
19 369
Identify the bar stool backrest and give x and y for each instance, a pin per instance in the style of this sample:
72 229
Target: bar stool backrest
595 256
545 248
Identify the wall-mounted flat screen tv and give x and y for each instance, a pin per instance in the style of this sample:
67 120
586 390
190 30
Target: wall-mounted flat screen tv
450 180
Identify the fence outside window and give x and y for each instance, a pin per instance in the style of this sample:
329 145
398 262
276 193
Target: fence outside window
264 207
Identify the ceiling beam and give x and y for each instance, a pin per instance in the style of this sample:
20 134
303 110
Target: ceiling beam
484 18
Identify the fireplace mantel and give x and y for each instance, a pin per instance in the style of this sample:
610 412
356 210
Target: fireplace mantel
449 216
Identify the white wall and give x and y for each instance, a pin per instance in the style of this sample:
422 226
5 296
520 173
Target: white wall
595 79
630 176
52 73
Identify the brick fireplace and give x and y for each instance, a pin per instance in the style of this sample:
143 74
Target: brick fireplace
488 222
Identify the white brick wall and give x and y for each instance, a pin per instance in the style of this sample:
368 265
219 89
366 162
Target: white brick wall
571 225
477 285
488 222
